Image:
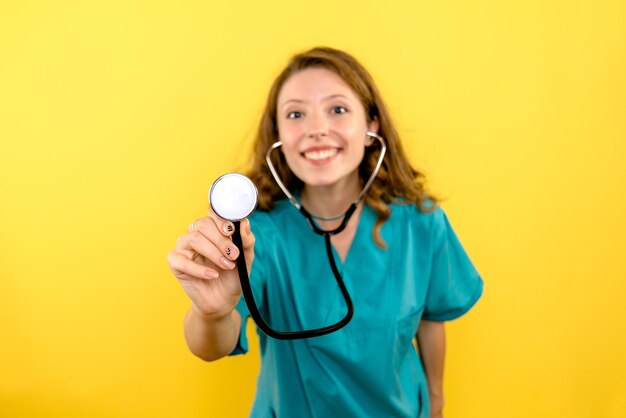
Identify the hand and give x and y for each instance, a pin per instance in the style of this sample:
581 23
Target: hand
203 263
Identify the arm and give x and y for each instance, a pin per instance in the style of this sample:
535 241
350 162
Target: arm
203 263
211 338
431 340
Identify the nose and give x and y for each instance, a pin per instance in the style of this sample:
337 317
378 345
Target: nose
317 125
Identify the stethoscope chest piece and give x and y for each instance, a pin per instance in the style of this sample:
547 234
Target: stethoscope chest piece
233 196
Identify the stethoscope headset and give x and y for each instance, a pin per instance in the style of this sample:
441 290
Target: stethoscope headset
234 197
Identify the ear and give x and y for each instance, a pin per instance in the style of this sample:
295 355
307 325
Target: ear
374 125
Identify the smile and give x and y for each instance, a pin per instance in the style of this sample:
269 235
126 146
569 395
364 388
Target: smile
321 154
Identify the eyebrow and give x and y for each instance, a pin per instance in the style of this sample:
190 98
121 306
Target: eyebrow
332 96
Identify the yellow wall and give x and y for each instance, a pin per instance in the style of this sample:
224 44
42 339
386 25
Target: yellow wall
116 116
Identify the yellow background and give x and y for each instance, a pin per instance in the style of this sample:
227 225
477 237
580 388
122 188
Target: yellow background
116 116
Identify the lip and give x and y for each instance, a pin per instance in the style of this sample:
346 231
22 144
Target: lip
319 148
320 155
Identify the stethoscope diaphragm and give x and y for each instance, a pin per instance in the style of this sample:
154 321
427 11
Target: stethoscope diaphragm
233 196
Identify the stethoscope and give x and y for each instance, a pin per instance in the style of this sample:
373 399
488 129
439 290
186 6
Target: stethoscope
234 197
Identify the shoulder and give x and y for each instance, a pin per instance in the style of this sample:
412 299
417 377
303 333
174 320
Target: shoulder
432 219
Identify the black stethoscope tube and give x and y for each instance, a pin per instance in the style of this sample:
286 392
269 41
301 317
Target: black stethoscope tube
243 269
249 297
319 231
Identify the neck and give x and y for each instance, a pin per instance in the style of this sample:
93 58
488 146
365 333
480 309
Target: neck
332 200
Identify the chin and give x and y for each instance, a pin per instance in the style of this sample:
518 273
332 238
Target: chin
324 180
315 179
323 177
318 182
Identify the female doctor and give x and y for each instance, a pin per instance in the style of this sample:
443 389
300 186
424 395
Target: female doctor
400 259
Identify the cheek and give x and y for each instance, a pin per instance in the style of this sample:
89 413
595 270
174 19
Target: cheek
289 153
288 138
351 127
288 149
289 131
359 154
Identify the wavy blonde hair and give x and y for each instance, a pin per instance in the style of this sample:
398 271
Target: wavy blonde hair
397 180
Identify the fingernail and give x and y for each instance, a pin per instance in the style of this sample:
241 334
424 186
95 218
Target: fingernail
211 274
232 252
227 263
228 228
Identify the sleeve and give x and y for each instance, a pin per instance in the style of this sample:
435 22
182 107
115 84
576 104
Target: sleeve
454 284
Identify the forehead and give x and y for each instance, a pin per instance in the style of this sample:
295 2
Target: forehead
314 83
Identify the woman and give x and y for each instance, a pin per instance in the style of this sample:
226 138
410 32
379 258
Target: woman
402 263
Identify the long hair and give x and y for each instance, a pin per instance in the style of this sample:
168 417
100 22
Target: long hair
397 180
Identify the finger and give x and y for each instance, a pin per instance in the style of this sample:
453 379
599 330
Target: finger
211 230
184 268
247 237
226 226
207 241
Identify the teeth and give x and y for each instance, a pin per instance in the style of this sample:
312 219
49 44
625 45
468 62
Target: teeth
320 155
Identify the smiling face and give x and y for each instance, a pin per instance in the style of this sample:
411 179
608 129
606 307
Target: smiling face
323 126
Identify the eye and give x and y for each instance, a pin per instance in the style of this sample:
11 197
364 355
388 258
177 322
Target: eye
294 115
339 109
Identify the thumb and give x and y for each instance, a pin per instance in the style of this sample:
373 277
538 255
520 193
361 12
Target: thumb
247 237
